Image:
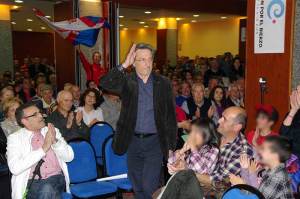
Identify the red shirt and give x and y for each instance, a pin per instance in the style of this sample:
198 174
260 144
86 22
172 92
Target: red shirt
93 71
260 139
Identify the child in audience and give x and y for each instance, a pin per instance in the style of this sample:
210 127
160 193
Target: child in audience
200 152
275 183
266 117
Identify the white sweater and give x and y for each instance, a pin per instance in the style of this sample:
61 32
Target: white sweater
21 158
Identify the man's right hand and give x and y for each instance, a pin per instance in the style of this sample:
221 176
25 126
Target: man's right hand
130 57
49 140
70 119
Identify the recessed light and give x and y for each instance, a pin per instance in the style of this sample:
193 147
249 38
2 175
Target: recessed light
146 26
147 12
121 25
195 15
13 23
29 19
121 16
14 7
142 22
125 28
193 21
47 16
43 28
18 1
178 19
29 29
223 17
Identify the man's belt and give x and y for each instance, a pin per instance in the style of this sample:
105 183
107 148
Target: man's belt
145 135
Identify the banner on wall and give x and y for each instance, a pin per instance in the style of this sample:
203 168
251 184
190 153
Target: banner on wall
269 27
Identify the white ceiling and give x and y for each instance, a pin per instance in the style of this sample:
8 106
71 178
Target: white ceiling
132 17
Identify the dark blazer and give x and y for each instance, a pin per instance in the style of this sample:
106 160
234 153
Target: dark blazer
126 86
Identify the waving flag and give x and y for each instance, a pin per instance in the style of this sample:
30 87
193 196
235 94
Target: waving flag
83 30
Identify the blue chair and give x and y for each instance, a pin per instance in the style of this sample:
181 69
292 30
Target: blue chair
238 192
98 133
115 165
65 195
83 173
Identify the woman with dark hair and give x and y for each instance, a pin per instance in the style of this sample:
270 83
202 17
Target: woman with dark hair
89 105
266 117
91 84
218 100
237 70
200 152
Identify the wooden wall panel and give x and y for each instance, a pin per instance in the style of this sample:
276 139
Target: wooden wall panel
242 44
276 68
161 46
33 44
64 50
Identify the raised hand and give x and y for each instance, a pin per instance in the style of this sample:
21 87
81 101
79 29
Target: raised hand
211 111
254 166
130 57
244 161
49 138
79 117
197 113
255 137
70 119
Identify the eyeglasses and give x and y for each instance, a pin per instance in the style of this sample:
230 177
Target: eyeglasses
33 115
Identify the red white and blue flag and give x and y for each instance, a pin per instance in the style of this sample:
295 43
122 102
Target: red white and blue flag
83 30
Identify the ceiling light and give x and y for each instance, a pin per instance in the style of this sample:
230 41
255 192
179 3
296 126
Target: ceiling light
178 19
14 7
195 15
147 12
18 1
29 19
13 23
142 22
43 28
121 16
193 21
121 25
29 29
47 16
146 26
223 17
125 28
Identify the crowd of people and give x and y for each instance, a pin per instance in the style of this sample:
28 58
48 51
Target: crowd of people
208 99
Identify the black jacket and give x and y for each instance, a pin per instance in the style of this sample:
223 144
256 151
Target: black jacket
126 86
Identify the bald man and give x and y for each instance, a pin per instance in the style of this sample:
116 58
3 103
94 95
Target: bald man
233 144
69 124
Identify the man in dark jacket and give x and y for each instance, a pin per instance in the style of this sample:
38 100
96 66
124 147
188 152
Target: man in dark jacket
147 126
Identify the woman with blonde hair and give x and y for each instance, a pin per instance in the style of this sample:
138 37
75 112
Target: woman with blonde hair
9 125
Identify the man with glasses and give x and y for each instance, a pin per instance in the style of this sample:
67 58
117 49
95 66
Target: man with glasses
37 143
147 126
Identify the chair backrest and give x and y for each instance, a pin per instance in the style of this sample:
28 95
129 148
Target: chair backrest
113 164
83 167
98 133
238 192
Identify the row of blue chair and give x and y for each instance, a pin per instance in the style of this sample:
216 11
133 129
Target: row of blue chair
83 169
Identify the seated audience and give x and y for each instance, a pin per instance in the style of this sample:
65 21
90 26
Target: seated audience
47 99
291 125
5 93
91 84
275 183
37 99
89 106
236 70
76 95
27 91
37 143
69 124
266 117
218 99
197 106
111 108
233 98
68 87
213 71
185 91
233 144
9 125
212 83
200 152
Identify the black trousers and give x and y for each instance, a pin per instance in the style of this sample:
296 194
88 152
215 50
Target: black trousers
144 165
